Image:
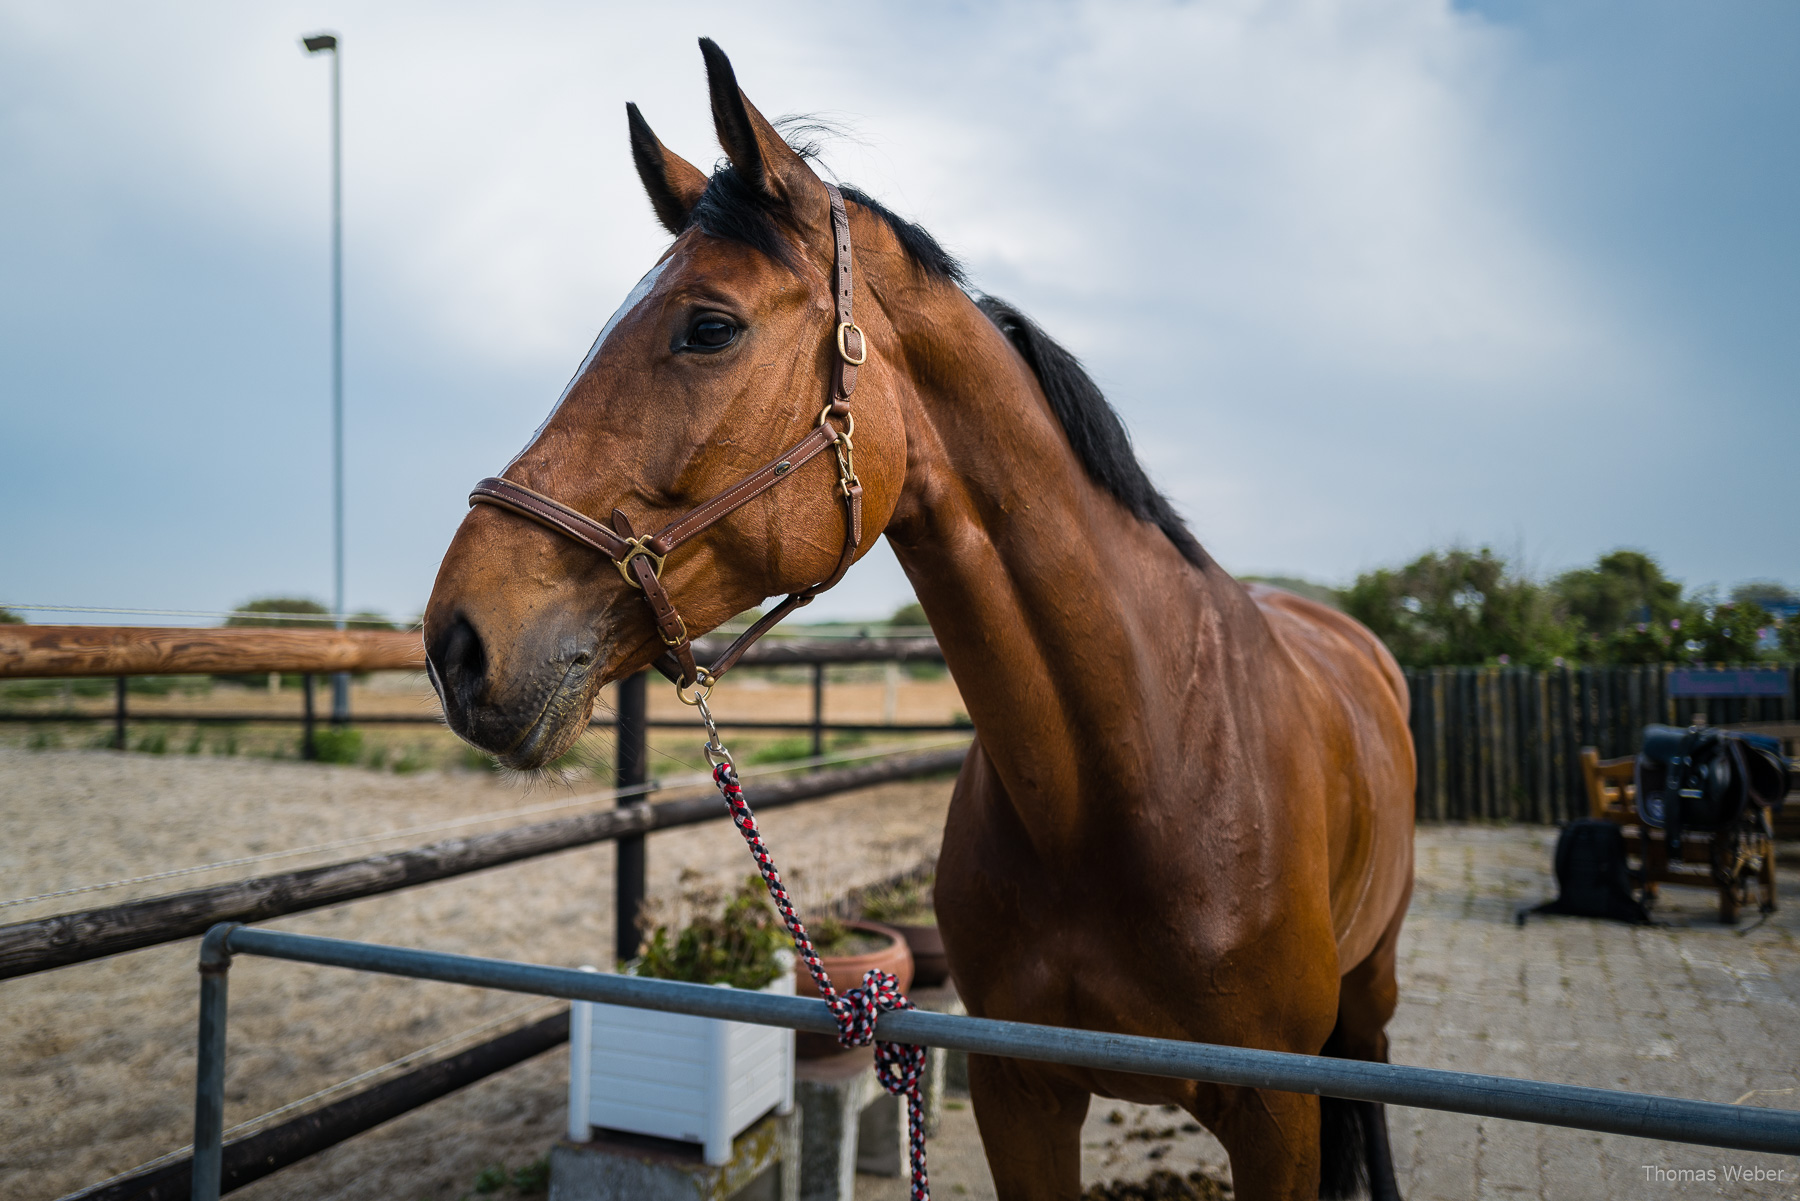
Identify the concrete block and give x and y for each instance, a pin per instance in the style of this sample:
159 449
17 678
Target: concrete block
764 1166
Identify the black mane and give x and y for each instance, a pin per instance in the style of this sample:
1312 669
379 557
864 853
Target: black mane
732 209
1095 432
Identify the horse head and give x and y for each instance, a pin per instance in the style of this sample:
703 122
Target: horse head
721 357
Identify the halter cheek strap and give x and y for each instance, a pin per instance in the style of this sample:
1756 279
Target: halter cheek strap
640 558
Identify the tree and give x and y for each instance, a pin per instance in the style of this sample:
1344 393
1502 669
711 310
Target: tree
1770 594
250 614
909 616
1624 589
9 618
1457 607
1727 633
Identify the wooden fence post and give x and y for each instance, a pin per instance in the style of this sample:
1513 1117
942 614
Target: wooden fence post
818 716
631 754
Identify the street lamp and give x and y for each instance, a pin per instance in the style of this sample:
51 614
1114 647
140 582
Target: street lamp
321 43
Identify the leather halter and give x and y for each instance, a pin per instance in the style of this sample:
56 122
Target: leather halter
640 558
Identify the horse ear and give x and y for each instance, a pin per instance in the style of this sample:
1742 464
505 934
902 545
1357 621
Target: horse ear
760 154
674 184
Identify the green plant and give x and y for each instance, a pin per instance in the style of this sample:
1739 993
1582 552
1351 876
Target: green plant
476 760
1790 638
411 760
739 946
1459 607
156 742
533 1178
907 902
491 1179
1622 590
337 745
9 618
227 745
1727 633
376 758
43 740
194 743
252 613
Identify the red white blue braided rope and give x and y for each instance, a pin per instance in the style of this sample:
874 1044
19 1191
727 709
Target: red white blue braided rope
899 1067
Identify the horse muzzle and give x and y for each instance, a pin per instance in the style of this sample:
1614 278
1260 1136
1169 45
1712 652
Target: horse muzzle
524 710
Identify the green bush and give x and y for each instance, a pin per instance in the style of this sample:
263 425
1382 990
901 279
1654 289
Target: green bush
336 745
740 946
1455 607
156 742
1727 633
906 902
533 1178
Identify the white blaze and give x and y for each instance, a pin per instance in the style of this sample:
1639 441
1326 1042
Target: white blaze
632 300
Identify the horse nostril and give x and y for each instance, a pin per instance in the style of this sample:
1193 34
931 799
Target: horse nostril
460 658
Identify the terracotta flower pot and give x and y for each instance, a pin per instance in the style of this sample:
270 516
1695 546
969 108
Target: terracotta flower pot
931 967
846 972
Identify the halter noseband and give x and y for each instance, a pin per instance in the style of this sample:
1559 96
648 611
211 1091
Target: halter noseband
640 558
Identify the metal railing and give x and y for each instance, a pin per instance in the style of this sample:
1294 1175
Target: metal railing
1609 1111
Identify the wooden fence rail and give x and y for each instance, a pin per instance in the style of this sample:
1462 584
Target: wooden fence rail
48 652
1504 743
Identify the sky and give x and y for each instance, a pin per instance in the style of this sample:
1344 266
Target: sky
1363 277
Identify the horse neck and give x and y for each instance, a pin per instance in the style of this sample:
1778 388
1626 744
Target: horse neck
1074 629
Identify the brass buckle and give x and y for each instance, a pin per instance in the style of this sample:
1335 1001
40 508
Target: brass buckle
844 351
633 548
668 641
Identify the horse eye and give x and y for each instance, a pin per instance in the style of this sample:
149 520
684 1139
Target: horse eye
710 333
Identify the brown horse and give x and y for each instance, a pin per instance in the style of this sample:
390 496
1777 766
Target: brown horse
1187 812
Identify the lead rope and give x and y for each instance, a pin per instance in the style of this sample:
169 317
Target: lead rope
899 1066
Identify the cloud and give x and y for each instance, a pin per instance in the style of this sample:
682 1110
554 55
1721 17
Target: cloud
1313 250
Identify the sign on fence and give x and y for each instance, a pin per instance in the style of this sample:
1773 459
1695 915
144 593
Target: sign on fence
1728 682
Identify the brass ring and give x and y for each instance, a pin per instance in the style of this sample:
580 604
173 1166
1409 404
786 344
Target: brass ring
634 548
703 686
843 351
849 423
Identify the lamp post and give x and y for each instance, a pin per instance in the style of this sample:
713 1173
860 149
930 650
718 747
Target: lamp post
321 43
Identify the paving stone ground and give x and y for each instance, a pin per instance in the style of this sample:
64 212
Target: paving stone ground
1691 1009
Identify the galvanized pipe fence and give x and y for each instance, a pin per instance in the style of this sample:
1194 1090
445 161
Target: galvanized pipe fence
1607 1111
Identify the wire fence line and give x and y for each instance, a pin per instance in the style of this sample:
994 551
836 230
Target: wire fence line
689 780
728 630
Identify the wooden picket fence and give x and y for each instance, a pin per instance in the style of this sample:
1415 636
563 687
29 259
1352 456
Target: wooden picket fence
1504 743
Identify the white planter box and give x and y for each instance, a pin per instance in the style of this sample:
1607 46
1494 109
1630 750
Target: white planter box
675 1076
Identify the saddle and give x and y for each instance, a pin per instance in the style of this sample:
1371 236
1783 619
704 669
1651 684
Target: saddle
1702 778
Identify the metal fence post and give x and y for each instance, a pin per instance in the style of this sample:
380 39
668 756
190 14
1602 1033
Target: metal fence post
818 722
119 714
630 759
209 1073
308 749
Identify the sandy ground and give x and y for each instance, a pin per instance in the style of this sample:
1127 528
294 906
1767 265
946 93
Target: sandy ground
96 1060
